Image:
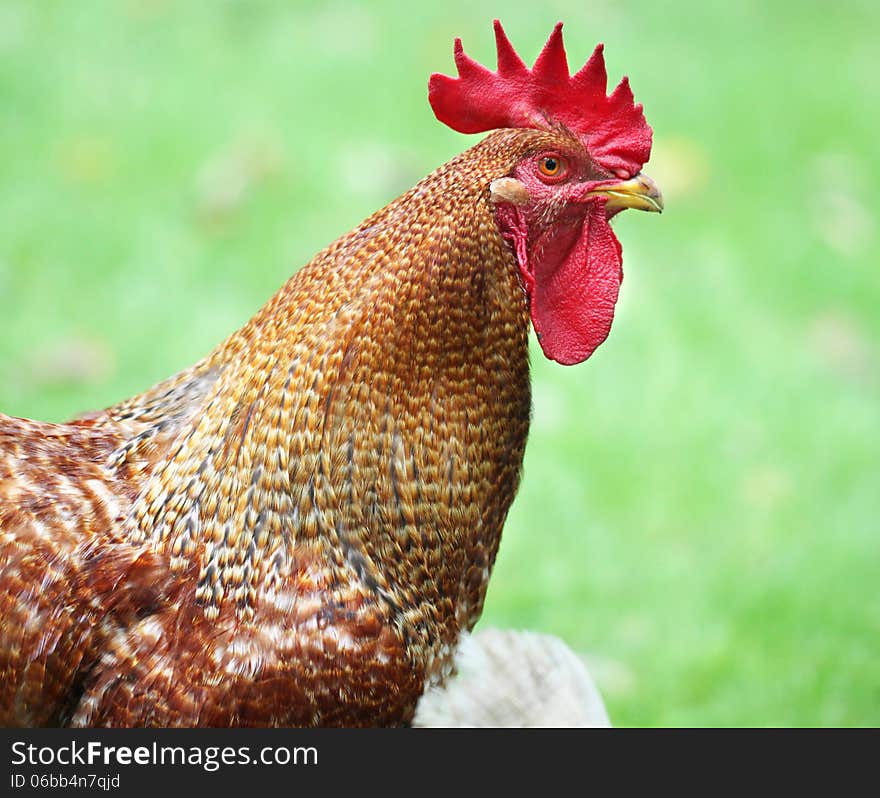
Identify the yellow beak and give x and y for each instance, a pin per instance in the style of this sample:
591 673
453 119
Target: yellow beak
639 192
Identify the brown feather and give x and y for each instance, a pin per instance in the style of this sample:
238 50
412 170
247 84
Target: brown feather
296 530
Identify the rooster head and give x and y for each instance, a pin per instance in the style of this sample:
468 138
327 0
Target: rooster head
580 165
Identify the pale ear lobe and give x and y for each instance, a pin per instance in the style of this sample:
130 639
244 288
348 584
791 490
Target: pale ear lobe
508 189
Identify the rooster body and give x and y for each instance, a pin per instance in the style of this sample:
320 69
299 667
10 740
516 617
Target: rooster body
314 508
296 530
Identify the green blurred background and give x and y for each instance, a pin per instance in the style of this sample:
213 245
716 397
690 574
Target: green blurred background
699 509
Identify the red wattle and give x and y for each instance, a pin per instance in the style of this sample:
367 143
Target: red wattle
575 291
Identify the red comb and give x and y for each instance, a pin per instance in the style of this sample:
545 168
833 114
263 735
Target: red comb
613 127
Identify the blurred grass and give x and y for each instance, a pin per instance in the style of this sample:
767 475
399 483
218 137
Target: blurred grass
699 509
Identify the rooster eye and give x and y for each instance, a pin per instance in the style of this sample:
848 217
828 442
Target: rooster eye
550 166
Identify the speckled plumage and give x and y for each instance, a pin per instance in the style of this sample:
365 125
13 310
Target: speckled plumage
295 530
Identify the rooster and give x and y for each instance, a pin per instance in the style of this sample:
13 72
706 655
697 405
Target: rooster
297 530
